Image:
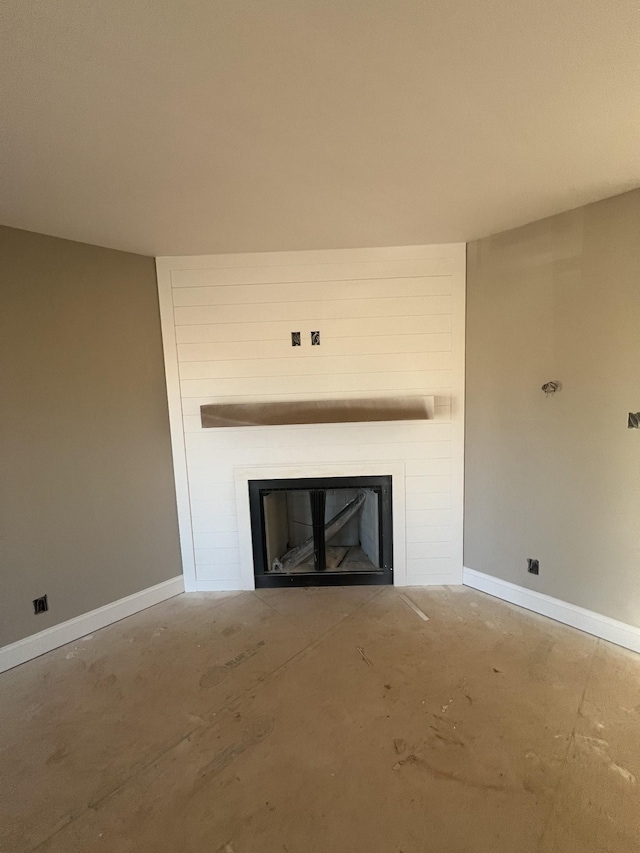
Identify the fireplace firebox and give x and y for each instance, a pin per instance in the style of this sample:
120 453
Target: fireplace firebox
322 531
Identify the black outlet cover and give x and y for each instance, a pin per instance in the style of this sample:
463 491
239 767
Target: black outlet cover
40 605
533 566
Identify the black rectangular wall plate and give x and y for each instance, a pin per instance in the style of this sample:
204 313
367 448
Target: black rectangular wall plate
40 605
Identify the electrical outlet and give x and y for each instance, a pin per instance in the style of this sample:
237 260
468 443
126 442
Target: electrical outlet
533 566
40 605
295 339
315 339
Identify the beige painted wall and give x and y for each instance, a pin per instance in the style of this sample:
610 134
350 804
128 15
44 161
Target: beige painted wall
557 478
87 504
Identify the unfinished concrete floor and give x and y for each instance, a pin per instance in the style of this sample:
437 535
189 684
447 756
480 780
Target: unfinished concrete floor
293 721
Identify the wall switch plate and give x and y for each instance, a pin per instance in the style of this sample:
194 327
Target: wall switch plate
295 339
315 339
40 605
533 566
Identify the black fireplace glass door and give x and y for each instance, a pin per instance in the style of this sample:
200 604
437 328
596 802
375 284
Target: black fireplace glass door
322 531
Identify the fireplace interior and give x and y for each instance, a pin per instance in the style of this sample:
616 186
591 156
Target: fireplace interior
321 531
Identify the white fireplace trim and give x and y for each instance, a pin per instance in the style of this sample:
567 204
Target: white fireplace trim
396 470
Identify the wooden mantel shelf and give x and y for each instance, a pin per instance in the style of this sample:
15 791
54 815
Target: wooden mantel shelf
317 412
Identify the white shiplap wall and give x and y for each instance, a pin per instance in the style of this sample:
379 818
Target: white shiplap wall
391 323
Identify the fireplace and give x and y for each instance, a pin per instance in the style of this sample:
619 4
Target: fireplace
322 531
382 394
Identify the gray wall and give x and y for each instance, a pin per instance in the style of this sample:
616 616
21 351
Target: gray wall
87 504
557 478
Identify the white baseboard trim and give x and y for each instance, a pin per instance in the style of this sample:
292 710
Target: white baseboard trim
66 632
589 621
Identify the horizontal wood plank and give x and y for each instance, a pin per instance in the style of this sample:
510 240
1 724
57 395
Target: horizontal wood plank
310 272
322 365
257 388
431 533
223 557
260 294
299 313
224 526
207 525
338 327
429 517
371 346
349 435
427 484
428 500
423 567
429 550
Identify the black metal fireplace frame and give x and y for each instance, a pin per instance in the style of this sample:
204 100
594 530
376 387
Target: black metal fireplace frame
265 578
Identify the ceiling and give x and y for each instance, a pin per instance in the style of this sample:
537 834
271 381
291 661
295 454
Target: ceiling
196 126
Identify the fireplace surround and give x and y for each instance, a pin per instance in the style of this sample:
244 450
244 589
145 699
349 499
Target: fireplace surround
391 324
